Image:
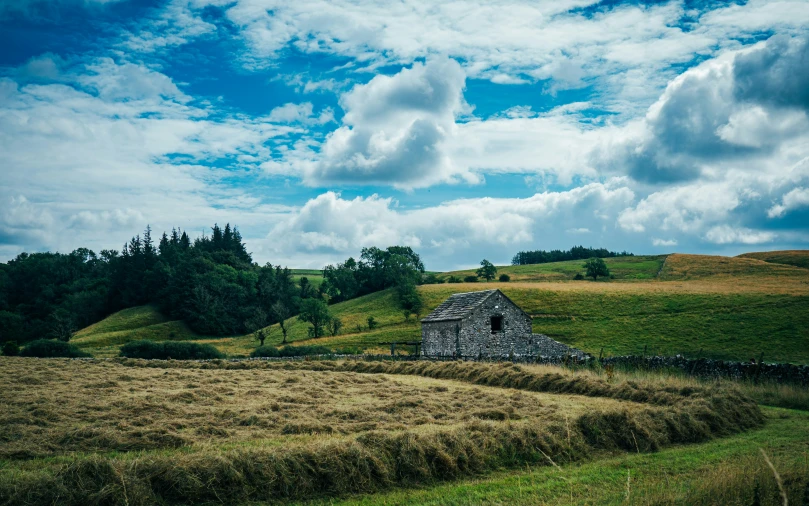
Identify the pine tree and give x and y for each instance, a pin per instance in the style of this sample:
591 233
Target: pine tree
148 245
227 238
164 245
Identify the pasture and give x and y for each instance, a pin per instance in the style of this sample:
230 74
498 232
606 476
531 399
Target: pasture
700 306
138 432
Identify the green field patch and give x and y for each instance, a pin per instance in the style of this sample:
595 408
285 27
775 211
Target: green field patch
639 267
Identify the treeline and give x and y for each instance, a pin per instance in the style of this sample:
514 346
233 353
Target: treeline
574 253
210 282
394 267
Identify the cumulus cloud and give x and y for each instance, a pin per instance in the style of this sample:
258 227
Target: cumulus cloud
794 199
775 74
395 129
728 112
329 227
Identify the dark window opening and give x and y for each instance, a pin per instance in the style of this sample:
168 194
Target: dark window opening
497 323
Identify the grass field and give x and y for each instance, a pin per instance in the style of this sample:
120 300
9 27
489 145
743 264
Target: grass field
725 471
315 276
714 307
143 432
798 258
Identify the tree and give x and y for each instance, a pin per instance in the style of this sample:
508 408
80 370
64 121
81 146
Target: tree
334 326
596 267
281 313
487 270
315 312
505 278
371 323
62 326
409 298
257 323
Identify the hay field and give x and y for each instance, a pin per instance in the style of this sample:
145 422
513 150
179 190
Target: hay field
60 406
140 432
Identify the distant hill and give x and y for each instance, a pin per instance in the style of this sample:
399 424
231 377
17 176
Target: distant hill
797 257
697 305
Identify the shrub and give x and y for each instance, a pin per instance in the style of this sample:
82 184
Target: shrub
505 278
48 348
432 279
578 276
470 279
453 279
170 349
290 351
10 349
372 323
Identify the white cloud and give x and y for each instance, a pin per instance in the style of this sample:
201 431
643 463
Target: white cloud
328 227
627 50
663 242
300 113
395 129
725 234
794 199
112 147
175 25
718 117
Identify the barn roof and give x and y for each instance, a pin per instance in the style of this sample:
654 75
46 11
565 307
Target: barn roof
458 306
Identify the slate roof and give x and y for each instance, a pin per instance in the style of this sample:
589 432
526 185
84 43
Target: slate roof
458 306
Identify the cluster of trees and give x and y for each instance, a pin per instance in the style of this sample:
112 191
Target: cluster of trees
210 282
396 267
575 253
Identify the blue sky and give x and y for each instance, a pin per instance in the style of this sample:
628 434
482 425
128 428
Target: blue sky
465 130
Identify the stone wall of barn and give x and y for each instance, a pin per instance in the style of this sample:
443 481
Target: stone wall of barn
476 336
439 339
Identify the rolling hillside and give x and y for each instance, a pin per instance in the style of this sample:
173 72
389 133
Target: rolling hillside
718 307
798 258
143 322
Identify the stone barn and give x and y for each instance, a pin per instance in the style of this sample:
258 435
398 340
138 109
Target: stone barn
484 324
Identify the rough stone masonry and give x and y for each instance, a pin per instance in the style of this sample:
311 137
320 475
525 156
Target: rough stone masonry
485 324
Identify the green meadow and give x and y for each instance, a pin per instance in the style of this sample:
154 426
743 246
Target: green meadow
699 306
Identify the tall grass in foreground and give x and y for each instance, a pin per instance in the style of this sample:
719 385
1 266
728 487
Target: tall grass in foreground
657 416
745 481
766 393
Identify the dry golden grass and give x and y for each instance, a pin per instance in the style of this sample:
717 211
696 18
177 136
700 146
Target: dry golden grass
55 407
261 430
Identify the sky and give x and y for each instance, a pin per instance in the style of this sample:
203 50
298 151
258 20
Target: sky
465 130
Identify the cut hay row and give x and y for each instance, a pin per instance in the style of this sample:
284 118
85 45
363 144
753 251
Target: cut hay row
372 462
380 459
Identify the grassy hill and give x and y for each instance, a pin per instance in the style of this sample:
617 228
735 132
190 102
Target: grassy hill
143 322
718 307
798 258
